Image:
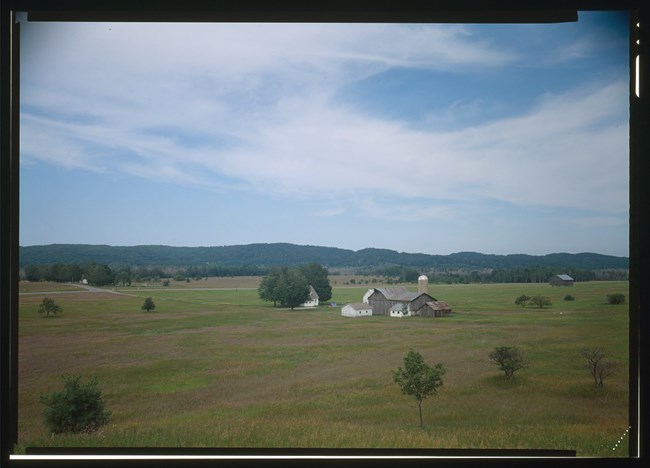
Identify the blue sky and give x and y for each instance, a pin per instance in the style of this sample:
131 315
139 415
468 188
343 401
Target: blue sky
419 138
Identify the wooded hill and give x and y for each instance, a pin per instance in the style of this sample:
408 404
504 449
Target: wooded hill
281 254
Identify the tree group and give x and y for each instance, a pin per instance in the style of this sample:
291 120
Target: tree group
289 287
539 301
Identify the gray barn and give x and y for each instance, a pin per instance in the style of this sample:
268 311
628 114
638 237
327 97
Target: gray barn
382 299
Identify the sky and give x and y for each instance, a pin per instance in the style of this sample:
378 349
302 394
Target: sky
434 139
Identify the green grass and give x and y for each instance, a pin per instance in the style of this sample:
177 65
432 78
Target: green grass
223 369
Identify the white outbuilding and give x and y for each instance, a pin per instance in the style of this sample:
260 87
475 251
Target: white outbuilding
401 309
357 309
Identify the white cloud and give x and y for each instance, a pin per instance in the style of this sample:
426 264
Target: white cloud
249 107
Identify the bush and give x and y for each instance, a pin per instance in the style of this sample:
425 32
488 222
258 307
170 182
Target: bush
569 297
617 298
78 408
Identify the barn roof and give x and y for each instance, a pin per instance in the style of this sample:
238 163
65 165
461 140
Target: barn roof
398 294
565 277
439 305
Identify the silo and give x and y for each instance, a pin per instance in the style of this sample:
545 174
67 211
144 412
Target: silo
423 283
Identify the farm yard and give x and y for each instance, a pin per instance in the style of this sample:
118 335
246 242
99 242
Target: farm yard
214 366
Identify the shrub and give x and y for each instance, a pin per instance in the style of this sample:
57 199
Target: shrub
77 408
569 297
617 298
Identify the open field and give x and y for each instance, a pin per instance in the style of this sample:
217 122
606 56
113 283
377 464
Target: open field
220 368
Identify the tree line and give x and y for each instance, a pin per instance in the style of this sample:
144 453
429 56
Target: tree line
100 274
533 274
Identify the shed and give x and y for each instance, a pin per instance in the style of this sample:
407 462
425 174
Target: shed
435 309
357 309
561 280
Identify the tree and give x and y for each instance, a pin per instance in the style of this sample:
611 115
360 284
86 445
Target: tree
418 379
98 274
148 305
268 286
598 366
77 408
522 300
32 273
123 277
509 359
292 289
317 277
48 306
541 301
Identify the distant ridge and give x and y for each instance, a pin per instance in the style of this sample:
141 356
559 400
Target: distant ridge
278 254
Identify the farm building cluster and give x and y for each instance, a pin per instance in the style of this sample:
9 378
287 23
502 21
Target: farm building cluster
398 302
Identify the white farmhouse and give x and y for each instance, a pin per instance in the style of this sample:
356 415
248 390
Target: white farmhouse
313 298
357 309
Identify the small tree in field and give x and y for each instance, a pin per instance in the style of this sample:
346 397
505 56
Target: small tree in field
418 379
77 408
598 366
48 306
509 359
522 300
148 305
541 301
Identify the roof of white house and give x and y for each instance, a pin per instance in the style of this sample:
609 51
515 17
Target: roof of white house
312 292
359 306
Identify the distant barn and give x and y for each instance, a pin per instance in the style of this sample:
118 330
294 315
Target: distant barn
561 280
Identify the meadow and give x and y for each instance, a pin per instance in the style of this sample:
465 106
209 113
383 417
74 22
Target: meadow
220 368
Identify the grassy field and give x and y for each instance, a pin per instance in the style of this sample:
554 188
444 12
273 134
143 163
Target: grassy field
220 368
